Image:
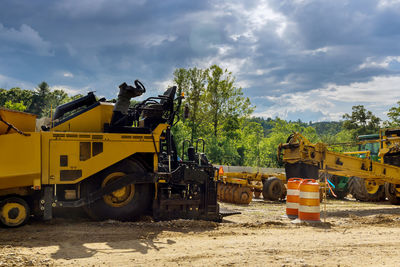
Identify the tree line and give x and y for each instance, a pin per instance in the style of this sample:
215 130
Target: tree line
39 101
220 114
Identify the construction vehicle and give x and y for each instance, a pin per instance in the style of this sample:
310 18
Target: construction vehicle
304 159
368 146
91 156
238 187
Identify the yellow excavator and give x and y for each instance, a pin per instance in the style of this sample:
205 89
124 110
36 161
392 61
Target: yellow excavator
304 159
116 161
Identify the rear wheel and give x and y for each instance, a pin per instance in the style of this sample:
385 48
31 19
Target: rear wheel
14 212
273 189
363 190
124 204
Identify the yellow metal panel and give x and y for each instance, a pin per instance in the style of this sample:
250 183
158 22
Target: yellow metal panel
116 147
19 160
90 121
25 122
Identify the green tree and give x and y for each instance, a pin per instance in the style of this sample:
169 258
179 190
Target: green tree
394 116
54 99
342 141
217 109
181 132
16 95
330 128
19 106
192 83
181 79
40 100
225 102
252 135
361 121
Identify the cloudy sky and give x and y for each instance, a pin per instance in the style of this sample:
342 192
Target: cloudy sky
299 59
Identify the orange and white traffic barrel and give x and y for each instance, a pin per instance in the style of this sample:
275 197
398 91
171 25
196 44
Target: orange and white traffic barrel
292 197
309 201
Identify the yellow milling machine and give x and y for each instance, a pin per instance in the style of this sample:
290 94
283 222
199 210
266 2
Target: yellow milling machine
91 156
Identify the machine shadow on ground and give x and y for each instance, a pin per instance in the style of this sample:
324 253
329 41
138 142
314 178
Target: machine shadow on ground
74 236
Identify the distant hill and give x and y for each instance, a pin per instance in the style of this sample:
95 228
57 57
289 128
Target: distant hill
267 124
322 128
327 127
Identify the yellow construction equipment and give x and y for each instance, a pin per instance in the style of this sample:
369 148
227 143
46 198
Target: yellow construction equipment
238 187
368 146
304 159
91 156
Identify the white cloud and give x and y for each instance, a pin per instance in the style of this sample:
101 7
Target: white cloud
321 50
68 74
25 39
282 46
333 100
383 90
382 63
232 64
253 19
266 70
388 4
70 90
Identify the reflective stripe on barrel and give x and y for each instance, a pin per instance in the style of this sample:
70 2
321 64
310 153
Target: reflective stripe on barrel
292 197
309 201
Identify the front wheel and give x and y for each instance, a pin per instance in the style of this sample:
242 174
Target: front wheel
14 212
125 204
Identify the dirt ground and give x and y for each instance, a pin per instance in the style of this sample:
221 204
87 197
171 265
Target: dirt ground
354 234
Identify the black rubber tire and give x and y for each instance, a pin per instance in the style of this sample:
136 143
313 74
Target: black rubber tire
137 206
19 201
391 194
358 190
273 189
